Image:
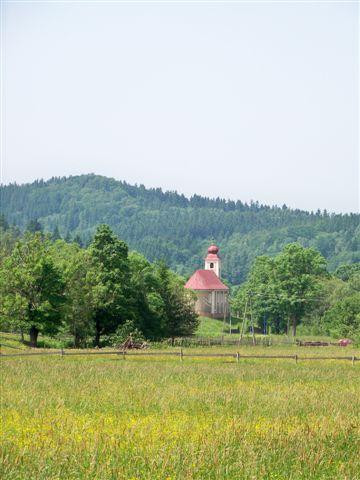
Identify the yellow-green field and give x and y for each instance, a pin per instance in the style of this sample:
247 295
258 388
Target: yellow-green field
103 417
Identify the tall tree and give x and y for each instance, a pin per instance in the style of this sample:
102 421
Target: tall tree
263 290
110 280
286 287
145 297
32 288
342 317
298 270
179 316
75 264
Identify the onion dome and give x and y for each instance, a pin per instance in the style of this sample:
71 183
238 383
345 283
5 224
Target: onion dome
213 249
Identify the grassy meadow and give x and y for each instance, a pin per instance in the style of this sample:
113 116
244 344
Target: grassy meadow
211 327
102 417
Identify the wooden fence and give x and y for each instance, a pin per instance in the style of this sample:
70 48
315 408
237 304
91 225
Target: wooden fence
181 354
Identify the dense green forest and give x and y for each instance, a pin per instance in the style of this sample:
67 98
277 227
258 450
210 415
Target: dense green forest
169 226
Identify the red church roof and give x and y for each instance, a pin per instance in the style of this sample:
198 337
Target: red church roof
205 280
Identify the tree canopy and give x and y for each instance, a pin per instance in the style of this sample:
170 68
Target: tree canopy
32 287
283 289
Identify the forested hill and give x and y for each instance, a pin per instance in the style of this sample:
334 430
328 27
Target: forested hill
167 225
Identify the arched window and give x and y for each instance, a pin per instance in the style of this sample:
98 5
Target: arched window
211 265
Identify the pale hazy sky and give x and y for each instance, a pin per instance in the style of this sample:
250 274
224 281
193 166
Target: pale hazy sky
238 100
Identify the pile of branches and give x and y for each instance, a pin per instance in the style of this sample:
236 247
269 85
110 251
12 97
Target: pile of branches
344 342
301 343
130 344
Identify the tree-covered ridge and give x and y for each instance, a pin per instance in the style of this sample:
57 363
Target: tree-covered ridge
169 226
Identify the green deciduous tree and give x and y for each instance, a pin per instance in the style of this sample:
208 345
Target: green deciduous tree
110 280
75 264
343 318
146 300
284 288
298 271
346 272
179 317
32 288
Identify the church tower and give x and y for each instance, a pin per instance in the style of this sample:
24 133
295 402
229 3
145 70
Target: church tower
213 261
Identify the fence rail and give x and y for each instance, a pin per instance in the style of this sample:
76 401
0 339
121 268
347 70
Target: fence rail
181 354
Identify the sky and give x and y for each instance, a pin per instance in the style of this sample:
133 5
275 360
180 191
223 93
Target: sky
250 101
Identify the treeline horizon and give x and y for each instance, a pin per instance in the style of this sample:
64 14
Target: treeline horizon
180 199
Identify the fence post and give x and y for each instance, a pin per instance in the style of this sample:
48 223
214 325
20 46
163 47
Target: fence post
353 360
296 358
124 354
237 357
181 355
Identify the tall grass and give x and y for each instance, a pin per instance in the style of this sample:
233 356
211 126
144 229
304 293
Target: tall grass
159 418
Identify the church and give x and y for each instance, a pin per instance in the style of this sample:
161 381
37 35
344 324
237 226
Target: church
212 295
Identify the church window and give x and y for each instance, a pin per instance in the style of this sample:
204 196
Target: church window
211 265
